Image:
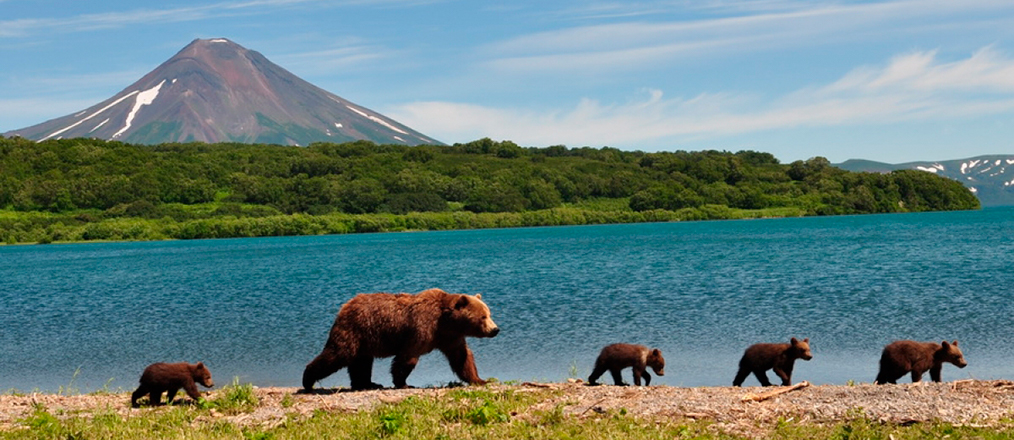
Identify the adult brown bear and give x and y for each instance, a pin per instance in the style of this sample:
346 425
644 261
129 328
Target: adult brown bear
406 326
901 357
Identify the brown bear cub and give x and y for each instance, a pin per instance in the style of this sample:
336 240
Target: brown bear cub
759 358
901 357
616 357
405 326
161 377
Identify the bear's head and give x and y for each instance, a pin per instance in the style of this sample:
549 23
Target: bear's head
949 352
656 361
201 374
467 315
801 349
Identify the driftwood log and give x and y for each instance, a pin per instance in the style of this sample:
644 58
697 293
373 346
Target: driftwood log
769 394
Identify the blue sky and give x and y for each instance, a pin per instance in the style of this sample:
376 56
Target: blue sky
892 81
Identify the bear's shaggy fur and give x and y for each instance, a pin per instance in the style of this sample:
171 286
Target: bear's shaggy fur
405 326
901 357
759 358
616 357
161 377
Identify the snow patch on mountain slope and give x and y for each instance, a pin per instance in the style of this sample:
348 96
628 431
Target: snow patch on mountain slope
55 133
100 124
144 98
376 119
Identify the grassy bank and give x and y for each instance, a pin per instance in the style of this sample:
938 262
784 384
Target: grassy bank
499 412
217 220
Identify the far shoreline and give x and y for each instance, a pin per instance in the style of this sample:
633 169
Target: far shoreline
345 224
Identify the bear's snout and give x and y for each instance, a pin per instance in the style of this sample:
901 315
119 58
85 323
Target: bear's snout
495 331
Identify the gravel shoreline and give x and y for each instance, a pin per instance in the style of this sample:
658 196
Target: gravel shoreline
965 402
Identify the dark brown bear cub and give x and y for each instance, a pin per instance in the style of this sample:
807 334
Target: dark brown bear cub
760 358
616 357
901 357
405 326
161 377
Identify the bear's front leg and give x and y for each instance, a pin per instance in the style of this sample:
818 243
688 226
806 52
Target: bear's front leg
361 373
155 398
596 373
138 393
169 395
935 372
617 377
916 376
637 376
647 378
401 367
191 389
462 362
785 375
762 377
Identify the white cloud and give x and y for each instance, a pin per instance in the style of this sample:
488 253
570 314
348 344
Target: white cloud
911 87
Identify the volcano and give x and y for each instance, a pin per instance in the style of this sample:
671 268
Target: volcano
218 91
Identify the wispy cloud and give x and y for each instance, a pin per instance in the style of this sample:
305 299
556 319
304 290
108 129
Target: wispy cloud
911 87
743 27
354 54
24 27
40 109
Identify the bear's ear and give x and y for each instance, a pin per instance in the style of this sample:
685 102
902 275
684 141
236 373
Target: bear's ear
478 296
794 341
955 343
461 303
656 352
945 344
200 365
806 340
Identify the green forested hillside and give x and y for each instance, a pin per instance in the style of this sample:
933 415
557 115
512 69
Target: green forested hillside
81 189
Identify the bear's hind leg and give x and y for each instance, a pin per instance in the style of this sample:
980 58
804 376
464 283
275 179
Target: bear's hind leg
401 367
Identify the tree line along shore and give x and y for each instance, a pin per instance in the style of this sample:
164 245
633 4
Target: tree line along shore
86 189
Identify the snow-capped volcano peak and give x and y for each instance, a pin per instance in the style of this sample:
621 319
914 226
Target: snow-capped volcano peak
216 90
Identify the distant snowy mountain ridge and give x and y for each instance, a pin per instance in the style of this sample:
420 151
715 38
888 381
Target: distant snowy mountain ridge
986 176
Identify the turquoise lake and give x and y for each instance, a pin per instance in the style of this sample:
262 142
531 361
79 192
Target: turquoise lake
90 316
